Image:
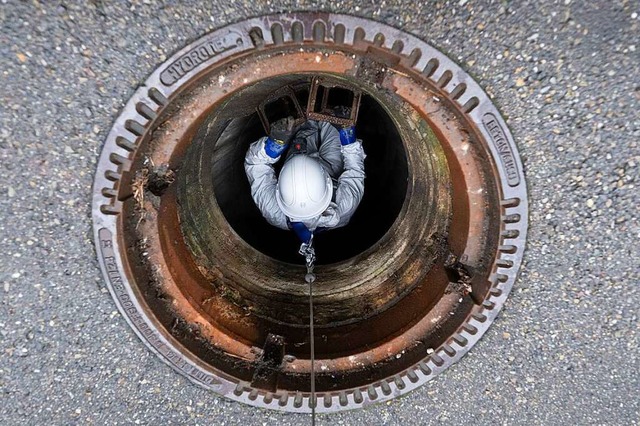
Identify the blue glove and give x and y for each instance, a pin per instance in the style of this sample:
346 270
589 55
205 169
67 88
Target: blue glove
281 133
347 135
275 147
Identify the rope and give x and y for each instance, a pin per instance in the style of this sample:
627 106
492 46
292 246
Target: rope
313 376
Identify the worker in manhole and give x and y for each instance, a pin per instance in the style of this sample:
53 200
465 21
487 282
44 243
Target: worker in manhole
321 182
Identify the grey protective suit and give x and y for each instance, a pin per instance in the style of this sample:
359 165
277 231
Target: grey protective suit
345 165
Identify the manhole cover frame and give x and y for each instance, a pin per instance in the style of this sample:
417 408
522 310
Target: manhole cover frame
456 87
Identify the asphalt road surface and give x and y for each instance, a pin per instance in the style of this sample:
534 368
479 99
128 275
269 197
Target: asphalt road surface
565 348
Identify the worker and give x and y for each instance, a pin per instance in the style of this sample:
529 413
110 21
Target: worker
321 182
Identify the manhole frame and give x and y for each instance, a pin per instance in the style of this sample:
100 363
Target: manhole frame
455 85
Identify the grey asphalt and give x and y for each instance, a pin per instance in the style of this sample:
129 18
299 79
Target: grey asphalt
565 348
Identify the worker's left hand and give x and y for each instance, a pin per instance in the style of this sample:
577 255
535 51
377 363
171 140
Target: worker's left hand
282 130
279 136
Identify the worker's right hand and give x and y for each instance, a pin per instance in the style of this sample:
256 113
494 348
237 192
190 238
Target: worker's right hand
347 135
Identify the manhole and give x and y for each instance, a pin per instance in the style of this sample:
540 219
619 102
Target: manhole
403 291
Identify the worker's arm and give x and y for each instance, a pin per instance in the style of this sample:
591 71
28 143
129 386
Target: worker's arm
330 148
351 182
258 165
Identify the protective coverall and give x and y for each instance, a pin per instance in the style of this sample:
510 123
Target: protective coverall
344 163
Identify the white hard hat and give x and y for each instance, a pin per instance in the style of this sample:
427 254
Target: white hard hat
304 188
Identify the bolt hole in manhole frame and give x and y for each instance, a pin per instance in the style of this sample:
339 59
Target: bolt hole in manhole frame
410 64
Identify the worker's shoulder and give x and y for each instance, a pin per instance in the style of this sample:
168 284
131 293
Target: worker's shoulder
326 127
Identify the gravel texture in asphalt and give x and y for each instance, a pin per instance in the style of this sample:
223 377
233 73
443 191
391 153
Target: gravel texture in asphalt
565 349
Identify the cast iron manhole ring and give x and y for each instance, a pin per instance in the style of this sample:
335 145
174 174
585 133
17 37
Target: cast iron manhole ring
159 183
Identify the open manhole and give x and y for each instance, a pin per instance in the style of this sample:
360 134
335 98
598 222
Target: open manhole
403 291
